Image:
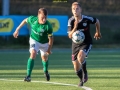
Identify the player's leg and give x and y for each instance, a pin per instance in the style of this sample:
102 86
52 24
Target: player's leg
85 71
78 70
30 64
76 64
86 49
81 55
44 56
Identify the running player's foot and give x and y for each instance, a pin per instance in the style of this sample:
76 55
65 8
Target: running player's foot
27 79
80 84
85 77
47 76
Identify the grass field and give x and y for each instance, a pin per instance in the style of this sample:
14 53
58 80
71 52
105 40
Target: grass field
103 69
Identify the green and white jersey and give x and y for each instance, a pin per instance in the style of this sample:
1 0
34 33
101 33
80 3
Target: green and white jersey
39 32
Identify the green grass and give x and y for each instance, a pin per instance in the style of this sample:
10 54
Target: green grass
103 69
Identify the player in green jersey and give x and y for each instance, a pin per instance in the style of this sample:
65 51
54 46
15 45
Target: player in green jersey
41 39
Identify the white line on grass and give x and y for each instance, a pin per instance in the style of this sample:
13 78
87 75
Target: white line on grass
84 87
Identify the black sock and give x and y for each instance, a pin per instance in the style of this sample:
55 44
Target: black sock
84 67
79 73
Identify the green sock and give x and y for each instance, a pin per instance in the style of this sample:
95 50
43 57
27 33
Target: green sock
45 66
30 65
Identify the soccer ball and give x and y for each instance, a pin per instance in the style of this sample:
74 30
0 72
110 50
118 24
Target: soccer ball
78 37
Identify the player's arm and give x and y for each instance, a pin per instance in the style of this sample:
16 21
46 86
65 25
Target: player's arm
98 33
73 30
50 37
15 34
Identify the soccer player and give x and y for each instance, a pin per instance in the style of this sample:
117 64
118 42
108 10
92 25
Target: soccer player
80 51
41 39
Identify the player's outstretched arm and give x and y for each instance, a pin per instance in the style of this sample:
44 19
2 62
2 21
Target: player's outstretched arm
98 33
16 33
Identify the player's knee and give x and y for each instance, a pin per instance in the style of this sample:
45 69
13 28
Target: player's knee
44 58
33 54
81 54
76 65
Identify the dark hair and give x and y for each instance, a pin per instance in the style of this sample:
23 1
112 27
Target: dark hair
76 3
43 10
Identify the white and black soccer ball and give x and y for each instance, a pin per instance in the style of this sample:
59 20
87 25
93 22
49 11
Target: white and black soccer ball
78 37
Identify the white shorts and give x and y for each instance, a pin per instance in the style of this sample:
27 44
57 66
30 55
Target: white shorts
38 46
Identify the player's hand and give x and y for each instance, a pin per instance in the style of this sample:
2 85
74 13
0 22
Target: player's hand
76 23
97 35
48 52
15 34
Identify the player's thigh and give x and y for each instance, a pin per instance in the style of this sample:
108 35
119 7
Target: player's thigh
33 54
75 51
34 46
80 50
76 64
86 49
43 49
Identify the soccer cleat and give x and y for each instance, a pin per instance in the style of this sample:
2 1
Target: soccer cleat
80 84
47 76
85 77
27 79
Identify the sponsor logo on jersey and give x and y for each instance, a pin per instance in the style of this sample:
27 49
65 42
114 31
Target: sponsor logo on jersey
36 32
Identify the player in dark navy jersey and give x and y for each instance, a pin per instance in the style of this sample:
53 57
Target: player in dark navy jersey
80 51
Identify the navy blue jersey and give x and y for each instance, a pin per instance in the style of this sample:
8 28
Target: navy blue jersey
84 26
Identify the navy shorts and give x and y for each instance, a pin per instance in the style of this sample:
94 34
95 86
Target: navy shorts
76 48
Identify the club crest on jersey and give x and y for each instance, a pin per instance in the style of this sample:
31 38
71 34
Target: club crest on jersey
84 24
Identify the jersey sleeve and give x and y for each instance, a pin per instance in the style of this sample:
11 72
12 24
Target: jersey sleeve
69 22
29 19
91 20
50 29
69 25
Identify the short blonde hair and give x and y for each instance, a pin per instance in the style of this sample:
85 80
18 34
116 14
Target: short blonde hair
76 3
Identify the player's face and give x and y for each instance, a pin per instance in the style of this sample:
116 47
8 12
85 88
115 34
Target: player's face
42 18
76 10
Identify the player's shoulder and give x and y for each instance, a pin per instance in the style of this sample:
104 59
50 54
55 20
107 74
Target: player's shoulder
72 18
87 17
48 22
33 17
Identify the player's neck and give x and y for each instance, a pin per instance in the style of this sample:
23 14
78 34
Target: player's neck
41 22
80 17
